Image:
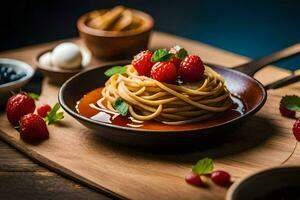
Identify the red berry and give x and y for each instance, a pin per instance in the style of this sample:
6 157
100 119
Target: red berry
286 112
296 129
220 178
18 106
191 69
142 63
164 71
175 61
194 179
33 128
43 109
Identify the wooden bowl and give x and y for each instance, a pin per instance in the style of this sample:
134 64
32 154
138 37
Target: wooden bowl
57 75
115 44
276 181
163 136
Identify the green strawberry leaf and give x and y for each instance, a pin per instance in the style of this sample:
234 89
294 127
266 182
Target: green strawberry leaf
115 70
161 55
203 166
121 106
54 116
181 52
33 95
291 102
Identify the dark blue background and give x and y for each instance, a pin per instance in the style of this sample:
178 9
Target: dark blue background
250 28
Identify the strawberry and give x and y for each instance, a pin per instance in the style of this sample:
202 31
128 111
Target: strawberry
43 109
194 179
179 54
296 129
191 69
33 128
220 177
142 63
164 71
176 62
286 112
19 105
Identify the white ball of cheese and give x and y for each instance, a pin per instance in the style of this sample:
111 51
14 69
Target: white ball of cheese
67 56
45 59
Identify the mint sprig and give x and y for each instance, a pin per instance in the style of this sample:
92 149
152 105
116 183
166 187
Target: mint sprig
54 116
121 106
33 95
203 166
161 55
181 52
291 102
115 70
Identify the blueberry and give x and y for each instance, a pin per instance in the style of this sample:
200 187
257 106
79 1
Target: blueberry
8 74
10 71
13 77
5 75
3 69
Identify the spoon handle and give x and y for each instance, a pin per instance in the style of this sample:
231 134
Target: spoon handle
252 67
283 82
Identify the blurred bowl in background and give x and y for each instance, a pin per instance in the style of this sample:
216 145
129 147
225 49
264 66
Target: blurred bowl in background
19 67
276 183
108 44
57 75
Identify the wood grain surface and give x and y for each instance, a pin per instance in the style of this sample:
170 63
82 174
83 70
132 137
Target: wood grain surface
265 140
21 178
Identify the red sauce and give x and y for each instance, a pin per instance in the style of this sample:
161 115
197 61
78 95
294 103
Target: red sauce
84 108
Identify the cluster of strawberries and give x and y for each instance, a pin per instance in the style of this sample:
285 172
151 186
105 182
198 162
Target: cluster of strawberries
32 127
169 66
219 177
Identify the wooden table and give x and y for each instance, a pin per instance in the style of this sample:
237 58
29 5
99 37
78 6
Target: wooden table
22 178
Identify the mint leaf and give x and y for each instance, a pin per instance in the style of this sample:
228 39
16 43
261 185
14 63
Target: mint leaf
54 116
33 95
181 52
291 102
121 106
115 70
204 166
161 55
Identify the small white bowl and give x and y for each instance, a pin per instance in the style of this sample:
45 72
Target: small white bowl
58 75
19 67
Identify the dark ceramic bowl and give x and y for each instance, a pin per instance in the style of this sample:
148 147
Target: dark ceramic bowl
248 89
280 183
115 44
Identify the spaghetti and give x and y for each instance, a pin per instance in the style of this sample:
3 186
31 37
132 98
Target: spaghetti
149 99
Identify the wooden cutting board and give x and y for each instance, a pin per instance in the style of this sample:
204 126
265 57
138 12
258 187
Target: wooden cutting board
265 140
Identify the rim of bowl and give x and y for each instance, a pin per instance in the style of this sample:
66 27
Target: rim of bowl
20 64
236 184
74 114
146 26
